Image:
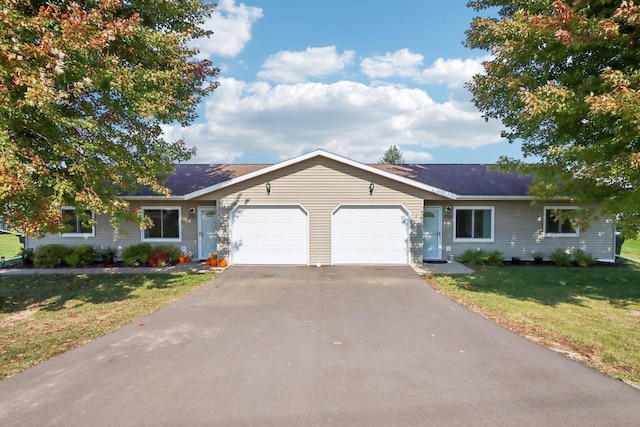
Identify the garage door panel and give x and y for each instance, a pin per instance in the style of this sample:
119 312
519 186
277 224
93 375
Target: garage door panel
370 235
269 235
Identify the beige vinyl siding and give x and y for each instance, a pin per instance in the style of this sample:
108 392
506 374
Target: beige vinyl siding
128 232
321 185
519 233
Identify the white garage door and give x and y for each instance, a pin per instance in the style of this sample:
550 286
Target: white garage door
269 235
370 235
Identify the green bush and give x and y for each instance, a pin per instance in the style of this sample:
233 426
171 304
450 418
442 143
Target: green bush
561 258
583 259
52 255
481 257
107 255
494 258
28 255
80 255
137 255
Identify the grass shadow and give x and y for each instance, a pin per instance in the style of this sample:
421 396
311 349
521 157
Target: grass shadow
620 286
55 292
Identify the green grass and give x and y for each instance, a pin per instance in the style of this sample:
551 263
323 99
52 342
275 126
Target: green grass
10 245
591 314
45 315
631 249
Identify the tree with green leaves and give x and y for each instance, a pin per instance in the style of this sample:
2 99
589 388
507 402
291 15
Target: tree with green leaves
564 79
393 156
85 87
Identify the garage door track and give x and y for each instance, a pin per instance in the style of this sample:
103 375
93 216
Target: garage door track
291 346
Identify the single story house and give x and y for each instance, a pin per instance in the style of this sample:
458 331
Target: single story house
324 209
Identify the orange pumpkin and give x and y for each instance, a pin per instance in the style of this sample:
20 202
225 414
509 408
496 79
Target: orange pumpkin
223 263
181 259
214 262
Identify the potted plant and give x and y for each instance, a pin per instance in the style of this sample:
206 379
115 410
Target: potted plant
185 256
537 258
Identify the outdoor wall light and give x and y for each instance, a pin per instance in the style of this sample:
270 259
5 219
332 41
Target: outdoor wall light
268 186
192 213
371 187
448 208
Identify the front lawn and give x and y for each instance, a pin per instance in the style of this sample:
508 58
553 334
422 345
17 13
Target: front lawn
590 314
45 315
631 249
10 245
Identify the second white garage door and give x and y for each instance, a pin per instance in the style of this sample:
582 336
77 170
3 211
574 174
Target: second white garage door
370 235
269 235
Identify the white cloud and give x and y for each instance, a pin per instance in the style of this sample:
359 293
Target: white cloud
352 119
453 72
402 63
296 67
231 25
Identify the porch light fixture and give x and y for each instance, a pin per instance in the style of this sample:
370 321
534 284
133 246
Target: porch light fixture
192 213
268 186
371 187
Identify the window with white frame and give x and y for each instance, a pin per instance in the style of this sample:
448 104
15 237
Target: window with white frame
75 225
166 224
557 224
473 223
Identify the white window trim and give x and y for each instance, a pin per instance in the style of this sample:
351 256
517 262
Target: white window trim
79 235
161 240
544 222
479 240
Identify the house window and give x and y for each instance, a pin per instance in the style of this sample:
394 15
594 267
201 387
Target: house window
73 226
555 227
473 223
166 225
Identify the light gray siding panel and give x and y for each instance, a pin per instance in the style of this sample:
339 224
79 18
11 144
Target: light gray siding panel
128 233
519 233
320 186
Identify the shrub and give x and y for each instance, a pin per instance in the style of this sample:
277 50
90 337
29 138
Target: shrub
137 255
583 259
52 255
171 251
159 258
472 257
561 258
28 255
494 258
481 257
80 255
107 255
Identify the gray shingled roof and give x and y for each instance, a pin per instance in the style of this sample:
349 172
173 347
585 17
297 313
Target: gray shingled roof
463 179
460 179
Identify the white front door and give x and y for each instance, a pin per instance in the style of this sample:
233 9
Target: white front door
207 232
431 229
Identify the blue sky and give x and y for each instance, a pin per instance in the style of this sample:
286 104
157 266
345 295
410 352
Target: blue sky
349 77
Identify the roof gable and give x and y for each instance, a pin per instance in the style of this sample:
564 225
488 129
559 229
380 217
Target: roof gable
325 154
452 181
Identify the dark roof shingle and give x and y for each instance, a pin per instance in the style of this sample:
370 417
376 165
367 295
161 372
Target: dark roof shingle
460 179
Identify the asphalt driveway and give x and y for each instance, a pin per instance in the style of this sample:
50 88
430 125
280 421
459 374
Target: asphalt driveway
304 346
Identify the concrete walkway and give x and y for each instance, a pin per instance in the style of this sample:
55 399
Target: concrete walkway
447 268
193 267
